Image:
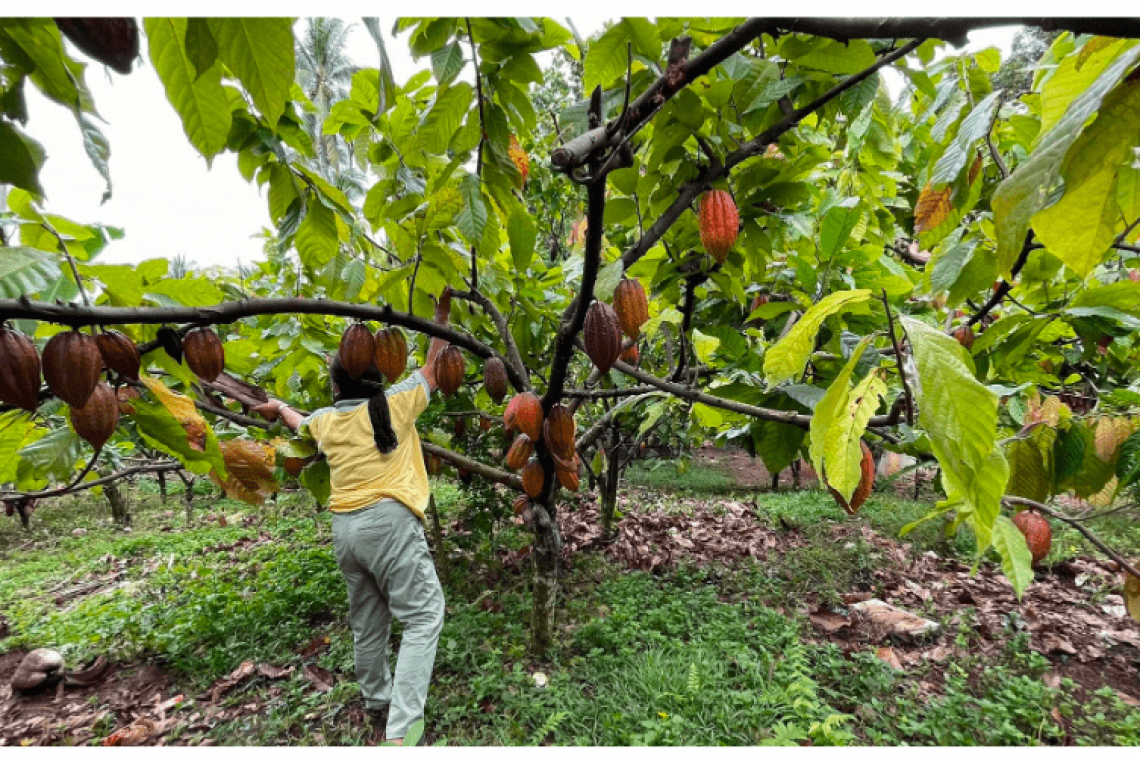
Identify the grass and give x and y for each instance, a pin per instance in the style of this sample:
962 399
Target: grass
692 656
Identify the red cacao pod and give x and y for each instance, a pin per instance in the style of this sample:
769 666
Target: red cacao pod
357 350
866 482
126 394
632 307
495 379
119 353
294 465
391 353
602 335
19 370
204 354
449 370
965 336
559 431
71 364
1038 534
720 223
532 478
524 411
631 355
95 421
520 451
111 41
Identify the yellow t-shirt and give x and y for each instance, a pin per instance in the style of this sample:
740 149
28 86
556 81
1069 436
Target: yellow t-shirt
361 475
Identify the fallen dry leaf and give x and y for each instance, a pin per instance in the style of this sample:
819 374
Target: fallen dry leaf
322 679
887 655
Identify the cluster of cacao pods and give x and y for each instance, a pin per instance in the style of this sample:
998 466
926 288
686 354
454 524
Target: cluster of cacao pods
866 481
386 351
605 324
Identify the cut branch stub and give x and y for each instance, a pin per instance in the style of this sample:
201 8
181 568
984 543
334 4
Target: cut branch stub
449 368
204 353
95 421
495 379
19 370
119 353
357 350
602 335
632 307
391 353
71 365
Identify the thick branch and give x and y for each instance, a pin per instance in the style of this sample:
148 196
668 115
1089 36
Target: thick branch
634 390
166 467
1124 564
493 474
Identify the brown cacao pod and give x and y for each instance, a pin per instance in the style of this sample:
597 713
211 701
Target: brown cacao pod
559 431
495 379
459 428
19 370
294 465
1038 534
866 482
720 223
357 349
391 353
602 335
521 502
519 452
631 355
965 336
631 306
757 302
171 343
111 41
126 394
449 370
95 421
204 353
119 353
532 478
524 412
433 464
71 365
568 472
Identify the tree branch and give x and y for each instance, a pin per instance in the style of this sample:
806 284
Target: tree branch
899 359
493 474
165 467
479 154
1124 564
1005 287
512 349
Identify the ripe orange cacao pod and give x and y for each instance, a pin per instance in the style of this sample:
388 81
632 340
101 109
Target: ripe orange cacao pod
632 307
126 394
204 354
433 464
866 482
602 335
559 431
519 452
720 223
71 364
495 378
19 370
568 472
524 412
1038 534
520 159
357 349
965 336
521 502
119 353
449 370
294 465
532 478
391 353
631 355
95 421
111 41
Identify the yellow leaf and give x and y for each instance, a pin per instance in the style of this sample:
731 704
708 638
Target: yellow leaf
182 409
932 209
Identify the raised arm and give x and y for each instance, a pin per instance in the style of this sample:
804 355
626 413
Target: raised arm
275 408
442 317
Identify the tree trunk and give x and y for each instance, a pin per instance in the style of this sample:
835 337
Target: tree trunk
437 539
188 496
547 547
609 486
162 487
120 511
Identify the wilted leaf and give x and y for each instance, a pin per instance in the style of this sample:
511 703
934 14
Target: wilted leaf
932 209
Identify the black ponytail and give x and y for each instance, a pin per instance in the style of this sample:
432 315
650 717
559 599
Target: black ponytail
369 386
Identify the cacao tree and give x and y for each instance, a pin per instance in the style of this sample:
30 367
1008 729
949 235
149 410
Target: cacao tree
947 271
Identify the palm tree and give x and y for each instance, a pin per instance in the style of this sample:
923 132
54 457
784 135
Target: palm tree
324 72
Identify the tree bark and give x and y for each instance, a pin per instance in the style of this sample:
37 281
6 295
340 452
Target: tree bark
547 547
610 484
162 487
120 508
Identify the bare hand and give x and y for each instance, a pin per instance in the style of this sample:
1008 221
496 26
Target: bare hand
270 410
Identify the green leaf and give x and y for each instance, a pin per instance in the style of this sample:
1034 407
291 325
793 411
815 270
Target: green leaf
472 218
162 431
353 276
839 57
24 270
201 47
645 38
55 454
387 80
40 40
1070 78
837 225
21 159
607 58
260 52
122 284
1016 560
522 234
1031 464
1027 190
445 117
447 62
98 150
973 128
704 345
609 276
317 241
789 356
1068 455
1128 464
189 291
15 425
199 98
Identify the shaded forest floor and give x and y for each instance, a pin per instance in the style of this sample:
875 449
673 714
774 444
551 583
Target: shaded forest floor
719 614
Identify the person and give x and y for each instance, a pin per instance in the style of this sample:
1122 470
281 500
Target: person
379 491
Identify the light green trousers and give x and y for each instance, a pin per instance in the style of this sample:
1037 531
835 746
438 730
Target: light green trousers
382 552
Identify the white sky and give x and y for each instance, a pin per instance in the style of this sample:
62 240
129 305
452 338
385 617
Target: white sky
164 197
